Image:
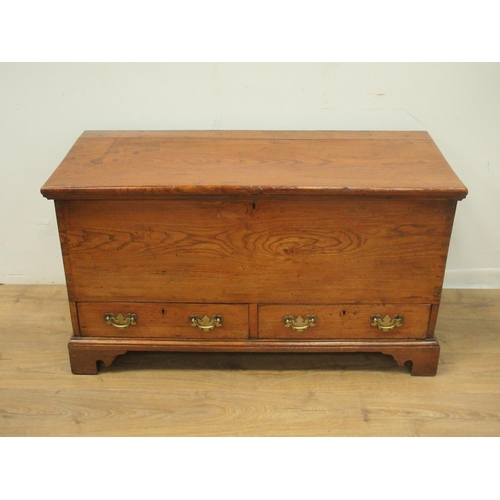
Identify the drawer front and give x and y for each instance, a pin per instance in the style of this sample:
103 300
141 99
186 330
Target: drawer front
278 250
174 321
307 322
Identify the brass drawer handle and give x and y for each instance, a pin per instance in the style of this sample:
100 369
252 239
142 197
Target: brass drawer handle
300 324
386 323
120 321
206 324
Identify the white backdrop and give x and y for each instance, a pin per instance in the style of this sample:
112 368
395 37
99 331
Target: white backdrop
45 107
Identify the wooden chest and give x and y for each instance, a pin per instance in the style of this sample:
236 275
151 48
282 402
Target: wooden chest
254 241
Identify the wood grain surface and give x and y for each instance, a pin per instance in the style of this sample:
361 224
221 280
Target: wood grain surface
218 394
244 250
132 165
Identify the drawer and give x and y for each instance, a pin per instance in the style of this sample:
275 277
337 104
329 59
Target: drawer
157 320
343 321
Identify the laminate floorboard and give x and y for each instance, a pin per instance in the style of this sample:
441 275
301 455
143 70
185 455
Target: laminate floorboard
191 394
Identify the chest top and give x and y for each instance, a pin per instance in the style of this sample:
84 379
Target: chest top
156 164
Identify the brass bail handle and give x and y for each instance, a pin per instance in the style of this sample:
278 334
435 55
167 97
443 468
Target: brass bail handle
206 324
299 323
120 321
387 323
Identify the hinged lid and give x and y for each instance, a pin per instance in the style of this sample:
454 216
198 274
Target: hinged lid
135 165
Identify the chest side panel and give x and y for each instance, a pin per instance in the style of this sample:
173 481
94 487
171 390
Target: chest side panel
258 250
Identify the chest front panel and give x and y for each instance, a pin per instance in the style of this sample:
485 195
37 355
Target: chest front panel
253 250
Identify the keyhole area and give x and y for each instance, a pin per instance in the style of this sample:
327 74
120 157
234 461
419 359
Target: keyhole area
343 312
253 205
163 312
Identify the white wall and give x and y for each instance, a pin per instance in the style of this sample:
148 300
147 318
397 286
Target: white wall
45 107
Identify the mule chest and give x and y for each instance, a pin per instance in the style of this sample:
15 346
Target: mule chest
254 241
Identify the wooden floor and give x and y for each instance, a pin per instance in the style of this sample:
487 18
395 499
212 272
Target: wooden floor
167 394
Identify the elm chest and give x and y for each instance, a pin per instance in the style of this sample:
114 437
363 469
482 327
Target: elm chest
254 241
